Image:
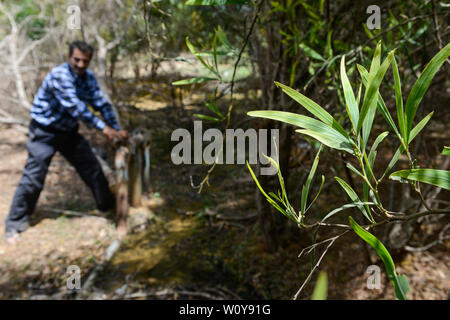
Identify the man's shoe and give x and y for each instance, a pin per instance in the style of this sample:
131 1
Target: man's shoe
11 237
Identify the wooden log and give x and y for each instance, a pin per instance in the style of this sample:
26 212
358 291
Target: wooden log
121 164
146 168
135 184
139 165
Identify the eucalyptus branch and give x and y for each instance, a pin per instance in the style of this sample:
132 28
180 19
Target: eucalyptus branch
425 204
398 216
309 226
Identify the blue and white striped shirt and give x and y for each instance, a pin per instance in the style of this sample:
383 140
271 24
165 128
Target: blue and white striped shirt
63 97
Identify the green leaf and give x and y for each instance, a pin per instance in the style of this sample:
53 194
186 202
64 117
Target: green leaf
207 118
321 287
223 38
192 80
313 107
354 197
383 254
373 150
346 206
376 60
284 199
358 99
393 161
350 101
400 149
311 52
446 151
328 138
399 100
329 47
367 124
352 168
403 282
381 105
212 106
318 192
440 178
419 127
215 51
273 195
373 85
305 189
315 128
197 55
269 199
422 84
368 121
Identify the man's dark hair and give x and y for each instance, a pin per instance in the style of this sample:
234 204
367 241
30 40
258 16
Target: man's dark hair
82 46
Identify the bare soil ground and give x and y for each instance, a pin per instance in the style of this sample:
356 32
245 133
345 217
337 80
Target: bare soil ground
39 262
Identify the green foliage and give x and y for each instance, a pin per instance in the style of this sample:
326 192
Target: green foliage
221 50
324 133
401 287
35 28
361 114
321 288
421 86
354 197
439 178
281 201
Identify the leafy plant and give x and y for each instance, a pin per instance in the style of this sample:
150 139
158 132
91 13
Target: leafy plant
361 113
221 49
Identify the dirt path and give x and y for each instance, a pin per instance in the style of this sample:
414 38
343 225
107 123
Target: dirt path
38 264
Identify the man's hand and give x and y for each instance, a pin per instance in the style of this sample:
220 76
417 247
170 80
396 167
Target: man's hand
115 135
123 134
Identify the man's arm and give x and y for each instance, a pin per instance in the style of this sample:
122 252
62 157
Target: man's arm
65 92
100 103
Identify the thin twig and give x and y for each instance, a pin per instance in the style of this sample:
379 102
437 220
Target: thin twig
436 28
332 240
441 239
73 213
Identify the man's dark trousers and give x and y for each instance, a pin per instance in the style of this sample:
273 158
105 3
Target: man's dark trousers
42 145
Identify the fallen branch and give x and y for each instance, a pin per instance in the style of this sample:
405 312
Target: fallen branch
73 213
220 294
441 239
109 253
13 121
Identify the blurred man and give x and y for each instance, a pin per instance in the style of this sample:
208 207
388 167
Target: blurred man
58 105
